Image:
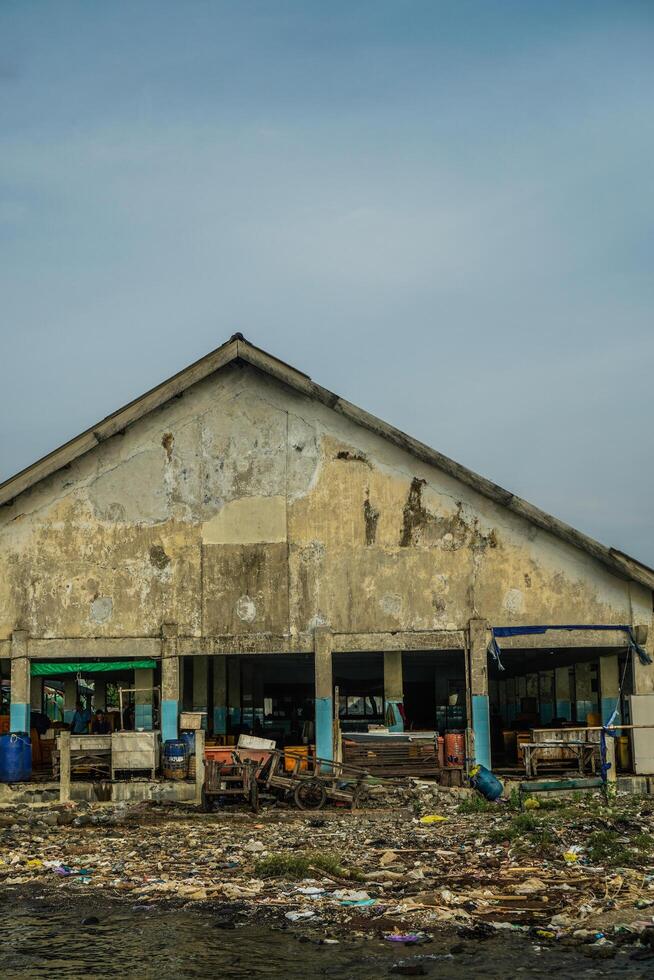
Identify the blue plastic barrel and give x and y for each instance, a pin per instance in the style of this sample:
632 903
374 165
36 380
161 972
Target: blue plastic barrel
175 759
189 739
486 783
15 757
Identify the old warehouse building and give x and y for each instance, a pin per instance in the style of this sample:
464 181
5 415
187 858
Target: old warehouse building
245 542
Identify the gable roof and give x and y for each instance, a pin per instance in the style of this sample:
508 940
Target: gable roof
237 348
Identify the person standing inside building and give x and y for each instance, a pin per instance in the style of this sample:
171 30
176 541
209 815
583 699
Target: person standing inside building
80 721
100 724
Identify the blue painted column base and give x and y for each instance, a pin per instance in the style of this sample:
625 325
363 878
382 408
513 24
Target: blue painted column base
583 708
19 717
234 716
608 706
324 728
169 715
143 716
546 712
481 728
564 710
394 720
219 720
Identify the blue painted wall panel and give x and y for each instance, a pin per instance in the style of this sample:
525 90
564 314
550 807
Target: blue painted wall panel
324 728
169 715
19 717
481 728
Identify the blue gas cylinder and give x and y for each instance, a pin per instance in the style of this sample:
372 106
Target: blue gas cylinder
189 738
15 758
486 782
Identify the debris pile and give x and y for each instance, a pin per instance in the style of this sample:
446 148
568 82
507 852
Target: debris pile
569 871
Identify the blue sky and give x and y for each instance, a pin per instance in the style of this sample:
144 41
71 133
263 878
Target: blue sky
441 210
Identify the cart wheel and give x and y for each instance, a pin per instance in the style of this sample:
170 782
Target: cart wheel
310 794
207 802
359 796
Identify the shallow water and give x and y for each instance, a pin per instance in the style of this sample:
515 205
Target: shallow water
44 938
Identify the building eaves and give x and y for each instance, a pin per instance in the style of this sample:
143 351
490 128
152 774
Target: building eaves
238 348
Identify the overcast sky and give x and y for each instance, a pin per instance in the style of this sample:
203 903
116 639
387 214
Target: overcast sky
443 211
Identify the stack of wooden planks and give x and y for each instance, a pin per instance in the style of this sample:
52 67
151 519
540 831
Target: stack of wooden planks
392 757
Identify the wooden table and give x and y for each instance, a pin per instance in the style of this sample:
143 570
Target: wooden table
583 752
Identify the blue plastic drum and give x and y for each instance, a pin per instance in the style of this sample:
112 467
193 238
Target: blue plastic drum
15 757
175 759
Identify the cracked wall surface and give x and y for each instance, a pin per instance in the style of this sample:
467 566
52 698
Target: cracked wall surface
244 507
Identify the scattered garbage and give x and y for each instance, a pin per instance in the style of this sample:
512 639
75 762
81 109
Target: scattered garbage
553 873
344 895
299 916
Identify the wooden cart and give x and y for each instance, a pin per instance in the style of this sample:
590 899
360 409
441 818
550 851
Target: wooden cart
310 785
230 778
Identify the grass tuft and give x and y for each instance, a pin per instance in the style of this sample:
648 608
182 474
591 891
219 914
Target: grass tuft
304 864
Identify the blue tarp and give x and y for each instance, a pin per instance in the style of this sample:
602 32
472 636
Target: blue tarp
495 652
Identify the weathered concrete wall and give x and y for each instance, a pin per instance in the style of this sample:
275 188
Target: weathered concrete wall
242 507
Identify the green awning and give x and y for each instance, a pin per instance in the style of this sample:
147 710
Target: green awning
38 669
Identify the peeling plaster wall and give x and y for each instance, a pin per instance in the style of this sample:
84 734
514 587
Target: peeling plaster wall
243 507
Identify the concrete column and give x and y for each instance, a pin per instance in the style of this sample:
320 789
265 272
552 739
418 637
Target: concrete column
511 695
64 766
199 764
479 638
100 694
323 640
562 693
234 691
583 692
257 693
144 683
201 686
169 682
393 690
19 708
247 693
609 684
546 696
36 693
219 695
643 674
70 698
503 700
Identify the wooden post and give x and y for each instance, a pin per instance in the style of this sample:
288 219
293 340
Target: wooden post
199 764
611 773
64 767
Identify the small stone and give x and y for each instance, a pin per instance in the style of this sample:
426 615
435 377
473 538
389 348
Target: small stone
532 886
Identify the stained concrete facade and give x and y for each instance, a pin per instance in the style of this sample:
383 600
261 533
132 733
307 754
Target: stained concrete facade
245 514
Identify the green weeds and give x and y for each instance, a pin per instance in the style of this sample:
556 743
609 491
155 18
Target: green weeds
304 864
476 804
